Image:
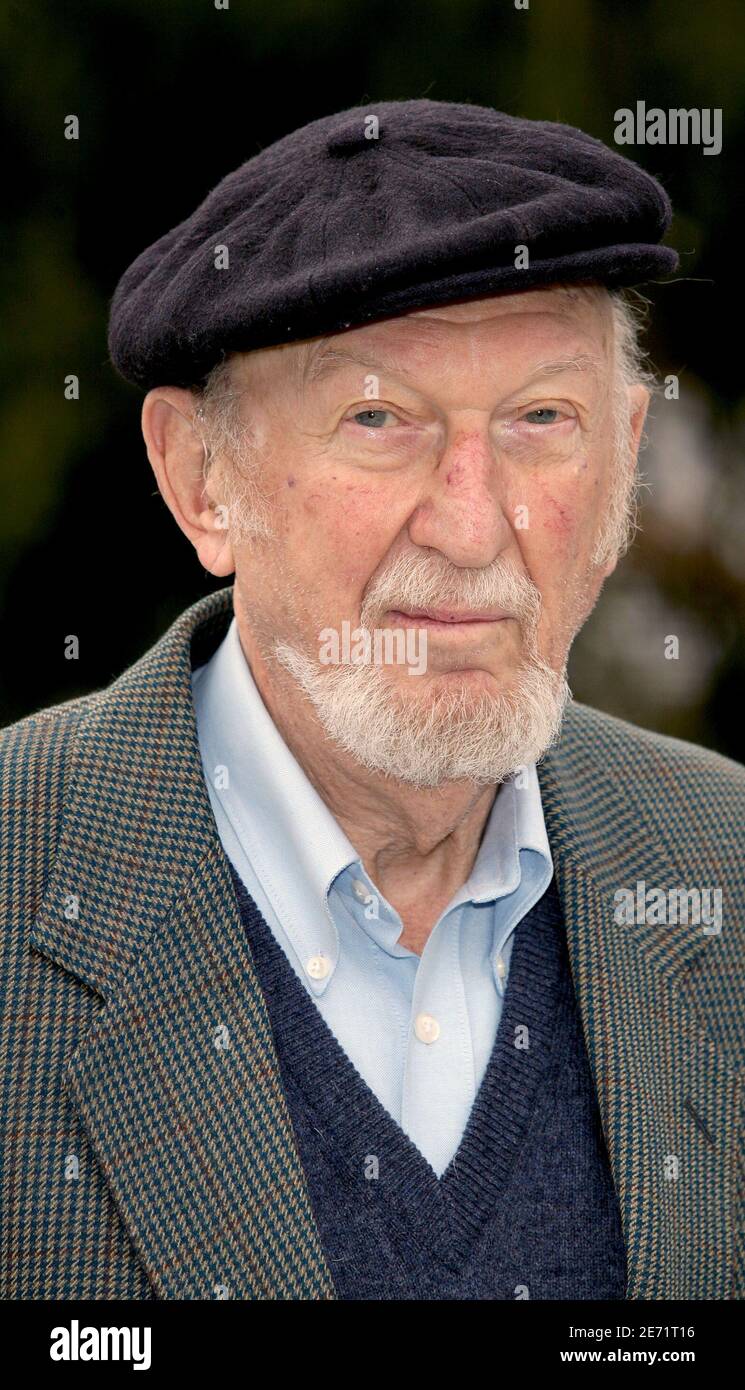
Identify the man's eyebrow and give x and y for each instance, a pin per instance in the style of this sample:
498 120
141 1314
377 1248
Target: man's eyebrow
582 362
322 361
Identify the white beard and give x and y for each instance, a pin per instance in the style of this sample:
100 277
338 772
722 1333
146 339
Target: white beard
451 736
425 736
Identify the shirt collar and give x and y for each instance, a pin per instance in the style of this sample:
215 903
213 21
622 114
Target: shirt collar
513 866
515 823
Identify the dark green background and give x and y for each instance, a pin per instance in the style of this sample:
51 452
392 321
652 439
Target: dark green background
171 97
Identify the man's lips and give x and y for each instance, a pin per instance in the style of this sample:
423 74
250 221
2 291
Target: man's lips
444 617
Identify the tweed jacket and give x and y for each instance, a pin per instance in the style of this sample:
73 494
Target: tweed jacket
146 1148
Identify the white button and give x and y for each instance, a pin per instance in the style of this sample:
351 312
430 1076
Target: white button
318 967
501 967
360 889
426 1028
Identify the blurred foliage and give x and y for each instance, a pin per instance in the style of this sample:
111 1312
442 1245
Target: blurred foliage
171 96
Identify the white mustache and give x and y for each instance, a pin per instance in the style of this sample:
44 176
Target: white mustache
431 581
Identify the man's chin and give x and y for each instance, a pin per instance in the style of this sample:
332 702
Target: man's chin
477 680
464 725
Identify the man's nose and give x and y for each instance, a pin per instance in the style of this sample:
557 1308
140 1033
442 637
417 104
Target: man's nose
462 509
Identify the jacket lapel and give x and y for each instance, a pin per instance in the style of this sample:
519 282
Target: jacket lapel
667 1091
177 1082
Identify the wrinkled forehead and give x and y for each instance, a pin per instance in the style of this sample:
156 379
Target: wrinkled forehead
580 313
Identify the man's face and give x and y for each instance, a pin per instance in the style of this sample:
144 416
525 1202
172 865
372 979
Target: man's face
454 463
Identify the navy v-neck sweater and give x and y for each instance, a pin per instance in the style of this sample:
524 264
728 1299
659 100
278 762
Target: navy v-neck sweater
526 1207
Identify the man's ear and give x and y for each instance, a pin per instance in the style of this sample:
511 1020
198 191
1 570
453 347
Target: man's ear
639 399
177 453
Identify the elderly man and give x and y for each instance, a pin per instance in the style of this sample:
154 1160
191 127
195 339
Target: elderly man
344 957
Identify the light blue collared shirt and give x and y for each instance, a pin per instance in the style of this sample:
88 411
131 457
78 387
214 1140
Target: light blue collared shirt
419 1029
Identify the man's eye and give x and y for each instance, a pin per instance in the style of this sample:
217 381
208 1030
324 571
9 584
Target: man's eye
372 419
543 415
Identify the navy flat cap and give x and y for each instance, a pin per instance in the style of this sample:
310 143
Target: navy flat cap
376 211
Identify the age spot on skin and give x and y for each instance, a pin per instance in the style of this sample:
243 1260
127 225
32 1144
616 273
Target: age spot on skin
309 502
290 481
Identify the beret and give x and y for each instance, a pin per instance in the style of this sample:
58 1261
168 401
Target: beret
376 211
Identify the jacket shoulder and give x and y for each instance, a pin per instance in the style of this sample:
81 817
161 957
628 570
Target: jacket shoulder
628 747
36 756
41 735
674 786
